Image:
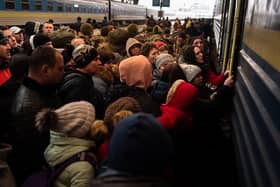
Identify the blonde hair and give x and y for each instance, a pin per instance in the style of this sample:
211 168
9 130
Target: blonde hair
99 131
117 117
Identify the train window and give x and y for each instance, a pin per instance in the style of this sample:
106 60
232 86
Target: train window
59 7
10 4
25 4
38 5
50 6
68 8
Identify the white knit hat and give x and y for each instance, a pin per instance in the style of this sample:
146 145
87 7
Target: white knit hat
75 118
190 71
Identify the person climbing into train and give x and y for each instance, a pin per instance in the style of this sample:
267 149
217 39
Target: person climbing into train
176 117
194 55
205 48
209 147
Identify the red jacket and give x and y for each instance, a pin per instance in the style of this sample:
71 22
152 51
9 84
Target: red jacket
178 108
5 74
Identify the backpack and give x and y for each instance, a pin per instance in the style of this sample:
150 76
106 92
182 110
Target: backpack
46 177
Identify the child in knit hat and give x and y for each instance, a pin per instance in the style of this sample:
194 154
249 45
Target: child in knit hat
120 109
70 133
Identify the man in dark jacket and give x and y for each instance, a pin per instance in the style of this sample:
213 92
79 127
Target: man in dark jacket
77 82
37 91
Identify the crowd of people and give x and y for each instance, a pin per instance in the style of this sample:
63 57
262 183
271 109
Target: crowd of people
148 105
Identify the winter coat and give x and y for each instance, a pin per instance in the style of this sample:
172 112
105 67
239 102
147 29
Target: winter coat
28 143
178 105
78 86
130 42
147 103
159 91
77 174
177 119
208 139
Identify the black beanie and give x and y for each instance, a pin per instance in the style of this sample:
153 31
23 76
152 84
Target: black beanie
40 39
83 55
140 146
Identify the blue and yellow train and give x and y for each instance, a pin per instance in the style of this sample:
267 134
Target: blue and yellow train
17 12
247 35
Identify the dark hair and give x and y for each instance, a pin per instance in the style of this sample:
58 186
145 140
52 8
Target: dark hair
67 53
182 35
104 31
188 54
147 47
50 21
42 55
106 56
171 73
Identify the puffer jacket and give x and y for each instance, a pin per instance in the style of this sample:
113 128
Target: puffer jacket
77 174
28 143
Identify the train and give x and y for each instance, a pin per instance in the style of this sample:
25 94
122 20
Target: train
247 35
17 12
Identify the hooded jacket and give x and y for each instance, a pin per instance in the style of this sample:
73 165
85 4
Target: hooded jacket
129 43
81 173
177 109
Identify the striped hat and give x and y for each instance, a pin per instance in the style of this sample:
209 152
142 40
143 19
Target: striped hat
75 118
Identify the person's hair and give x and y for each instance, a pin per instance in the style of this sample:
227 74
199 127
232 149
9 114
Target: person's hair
188 54
42 55
117 117
104 31
147 47
105 75
50 21
47 22
163 48
171 73
67 53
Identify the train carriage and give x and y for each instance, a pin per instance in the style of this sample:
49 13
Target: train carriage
247 35
17 12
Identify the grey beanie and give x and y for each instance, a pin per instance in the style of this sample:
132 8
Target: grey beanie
163 58
190 71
